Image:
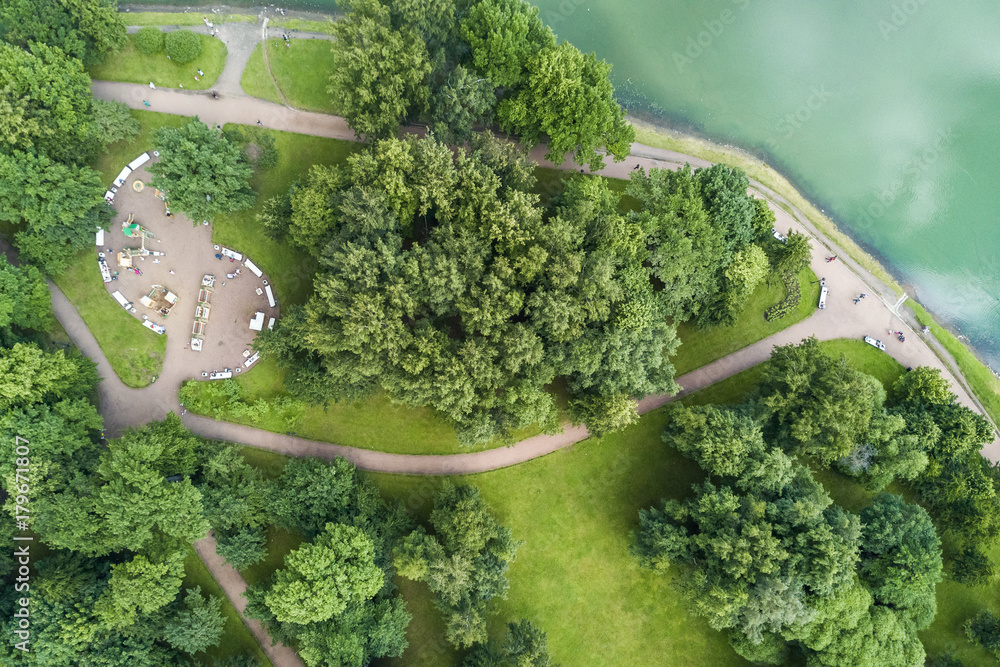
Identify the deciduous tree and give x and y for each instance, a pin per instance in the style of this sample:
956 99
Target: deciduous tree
45 104
203 173
89 30
321 579
197 625
814 404
568 97
380 75
464 564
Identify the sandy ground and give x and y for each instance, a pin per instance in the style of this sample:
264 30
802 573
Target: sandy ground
189 256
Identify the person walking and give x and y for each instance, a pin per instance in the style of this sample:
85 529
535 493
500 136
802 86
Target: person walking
145 102
152 86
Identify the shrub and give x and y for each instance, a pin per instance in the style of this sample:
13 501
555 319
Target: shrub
183 46
793 294
149 40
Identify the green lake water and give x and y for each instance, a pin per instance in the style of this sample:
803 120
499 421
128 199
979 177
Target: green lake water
883 113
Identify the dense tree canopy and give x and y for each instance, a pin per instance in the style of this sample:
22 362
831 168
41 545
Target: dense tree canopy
380 71
322 578
59 207
699 230
901 557
89 30
815 404
444 284
568 98
451 61
45 104
754 562
335 597
764 552
464 563
203 173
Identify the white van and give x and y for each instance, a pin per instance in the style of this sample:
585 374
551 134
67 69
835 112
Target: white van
822 297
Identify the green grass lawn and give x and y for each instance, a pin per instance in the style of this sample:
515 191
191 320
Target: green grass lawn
863 356
182 18
134 352
702 346
256 81
303 25
302 72
575 510
236 638
132 66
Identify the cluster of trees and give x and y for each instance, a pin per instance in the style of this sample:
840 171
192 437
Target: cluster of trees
334 598
456 63
767 555
444 283
51 127
464 562
109 591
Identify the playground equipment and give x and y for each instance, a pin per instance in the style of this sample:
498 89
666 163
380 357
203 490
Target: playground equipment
159 299
133 229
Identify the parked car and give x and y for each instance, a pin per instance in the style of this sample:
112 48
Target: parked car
778 235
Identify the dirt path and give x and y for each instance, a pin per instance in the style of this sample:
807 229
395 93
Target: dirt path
234 585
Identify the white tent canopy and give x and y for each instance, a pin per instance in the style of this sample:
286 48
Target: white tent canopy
139 161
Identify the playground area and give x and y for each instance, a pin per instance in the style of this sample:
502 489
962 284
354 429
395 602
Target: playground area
165 271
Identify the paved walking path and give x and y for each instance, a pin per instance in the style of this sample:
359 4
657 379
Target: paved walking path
232 582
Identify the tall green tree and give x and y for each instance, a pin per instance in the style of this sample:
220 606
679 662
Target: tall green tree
321 579
503 35
380 75
113 121
25 303
197 625
90 30
45 104
568 98
464 563
203 173
57 207
814 404
901 557
138 587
